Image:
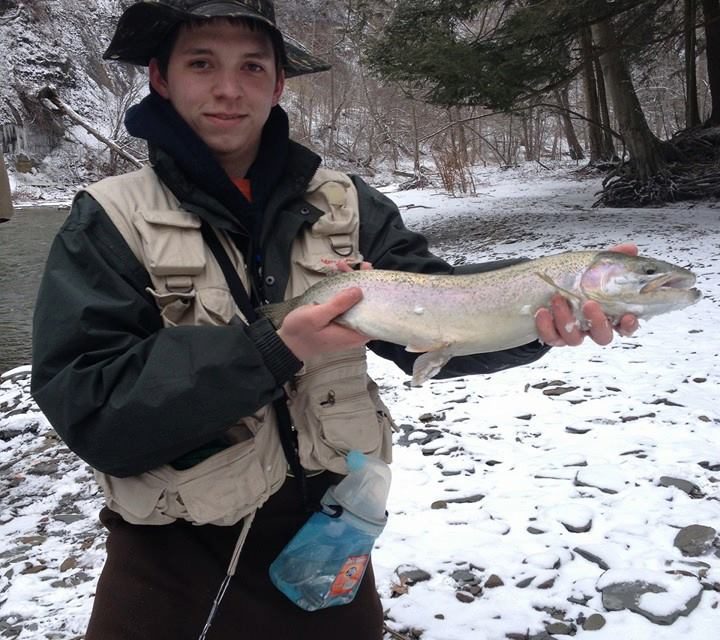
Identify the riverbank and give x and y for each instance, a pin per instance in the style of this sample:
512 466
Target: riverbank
61 204
521 500
25 241
40 190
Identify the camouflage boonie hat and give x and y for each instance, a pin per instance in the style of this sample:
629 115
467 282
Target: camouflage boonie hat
143 27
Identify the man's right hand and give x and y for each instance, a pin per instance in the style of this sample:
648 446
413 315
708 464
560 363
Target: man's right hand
310 331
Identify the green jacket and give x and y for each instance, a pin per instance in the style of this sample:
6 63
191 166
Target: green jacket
127 394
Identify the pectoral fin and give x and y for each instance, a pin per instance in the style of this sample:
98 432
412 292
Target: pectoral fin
569 295
429 364
575 301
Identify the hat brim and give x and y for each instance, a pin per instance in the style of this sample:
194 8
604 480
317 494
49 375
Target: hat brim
143 27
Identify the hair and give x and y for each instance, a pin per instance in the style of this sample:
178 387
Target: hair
165 48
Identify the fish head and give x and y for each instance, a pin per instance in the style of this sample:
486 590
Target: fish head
639 285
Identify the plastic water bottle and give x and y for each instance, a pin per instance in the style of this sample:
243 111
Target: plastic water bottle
323 565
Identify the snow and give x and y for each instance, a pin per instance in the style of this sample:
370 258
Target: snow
606 477
641 408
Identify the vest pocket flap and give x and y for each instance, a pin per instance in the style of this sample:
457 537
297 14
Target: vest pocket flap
225 487
171 218
171 242
338 217
218 306
135 497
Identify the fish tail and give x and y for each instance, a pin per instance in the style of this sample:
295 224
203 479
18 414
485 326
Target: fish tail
277 311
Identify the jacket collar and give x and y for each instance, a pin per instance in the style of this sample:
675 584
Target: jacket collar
186 165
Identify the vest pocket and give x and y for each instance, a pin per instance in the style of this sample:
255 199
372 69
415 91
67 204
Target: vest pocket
171 242
336 409
207 306
347 422
220 490
225 487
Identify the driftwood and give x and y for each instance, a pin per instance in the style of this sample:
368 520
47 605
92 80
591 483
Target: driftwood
48 94
6 204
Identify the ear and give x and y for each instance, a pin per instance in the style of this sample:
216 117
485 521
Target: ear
279 87
157 81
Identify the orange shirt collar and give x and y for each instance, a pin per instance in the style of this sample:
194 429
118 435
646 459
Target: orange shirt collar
244 185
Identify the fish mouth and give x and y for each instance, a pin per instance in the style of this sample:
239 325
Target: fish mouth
669 281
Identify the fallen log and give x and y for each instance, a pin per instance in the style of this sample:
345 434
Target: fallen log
50 95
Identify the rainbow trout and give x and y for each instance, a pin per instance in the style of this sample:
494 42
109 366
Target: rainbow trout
442 316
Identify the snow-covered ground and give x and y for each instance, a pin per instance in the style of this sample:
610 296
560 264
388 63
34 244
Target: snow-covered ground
533 501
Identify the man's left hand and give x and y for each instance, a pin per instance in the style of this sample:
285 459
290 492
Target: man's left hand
558 327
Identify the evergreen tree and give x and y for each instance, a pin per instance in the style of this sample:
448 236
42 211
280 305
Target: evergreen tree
692 114
475 52
711 18
600 139
503 54
645 151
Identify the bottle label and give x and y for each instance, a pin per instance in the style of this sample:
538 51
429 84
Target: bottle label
349 576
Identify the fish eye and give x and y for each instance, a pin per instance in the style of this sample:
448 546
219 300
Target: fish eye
650 271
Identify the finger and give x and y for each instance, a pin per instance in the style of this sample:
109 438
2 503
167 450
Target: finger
600 330
628 248
342 265
545 326
345 267
565 322
628 325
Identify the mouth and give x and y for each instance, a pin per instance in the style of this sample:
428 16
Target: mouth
225 117
669 281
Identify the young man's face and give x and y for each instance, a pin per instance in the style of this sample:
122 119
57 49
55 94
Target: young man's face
222 80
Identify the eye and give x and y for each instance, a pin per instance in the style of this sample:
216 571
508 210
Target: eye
650 271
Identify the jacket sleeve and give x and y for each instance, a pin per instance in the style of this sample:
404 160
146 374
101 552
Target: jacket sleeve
125 393
387 243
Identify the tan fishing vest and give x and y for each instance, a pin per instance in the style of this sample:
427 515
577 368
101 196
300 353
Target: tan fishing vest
334 404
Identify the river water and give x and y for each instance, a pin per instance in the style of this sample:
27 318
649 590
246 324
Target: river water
24 244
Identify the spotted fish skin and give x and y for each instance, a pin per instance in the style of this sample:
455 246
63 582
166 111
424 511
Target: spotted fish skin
443 316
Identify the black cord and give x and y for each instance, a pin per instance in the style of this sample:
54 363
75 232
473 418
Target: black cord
288 435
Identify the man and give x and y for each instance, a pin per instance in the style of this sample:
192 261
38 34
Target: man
212 433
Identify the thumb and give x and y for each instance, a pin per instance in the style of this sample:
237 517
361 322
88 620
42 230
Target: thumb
628 248
340 303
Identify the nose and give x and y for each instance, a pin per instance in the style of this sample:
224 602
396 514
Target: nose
228 85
